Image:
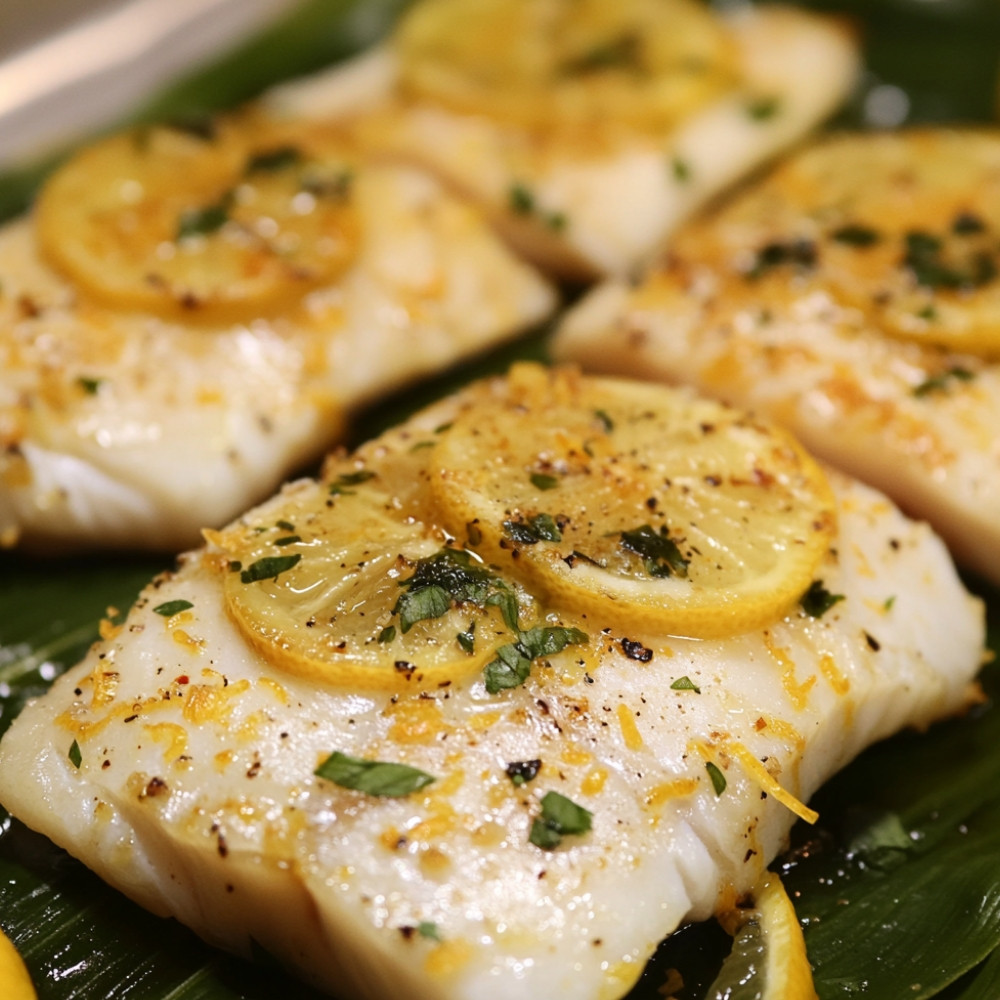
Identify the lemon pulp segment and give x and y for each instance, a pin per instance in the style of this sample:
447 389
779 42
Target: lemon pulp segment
545 62
640 505
208 225
15 983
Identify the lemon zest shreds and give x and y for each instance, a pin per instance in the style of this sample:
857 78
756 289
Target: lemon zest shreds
769 783
15 983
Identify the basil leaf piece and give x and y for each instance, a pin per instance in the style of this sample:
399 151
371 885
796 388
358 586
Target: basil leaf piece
373 777
560 817
270 161
856 235
420 604
169 608
428 929
817 600
543 481
387 634
467 639
339 486
268 568
685 684
205 220
940 382
74 754
660 555
512 665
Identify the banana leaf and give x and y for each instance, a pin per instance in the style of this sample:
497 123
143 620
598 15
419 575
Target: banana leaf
898 887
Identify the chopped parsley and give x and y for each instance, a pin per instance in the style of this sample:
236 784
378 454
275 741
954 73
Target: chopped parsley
540 528
965 224
521 201
521 772
284 525
387 634
560 817
428 929
941 381
467 639
373 777
685 684
288 540
75 757
543 481
925 260
604 419
718 778
268 568
856 235
270 161
817 600
169 608
340 485
450 576
205 220
681 170
799 252
513 661
763 109
659 552
89 385
617 53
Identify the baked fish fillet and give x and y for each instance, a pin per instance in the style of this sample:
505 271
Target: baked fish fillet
586 182
852 295
271 751
134 412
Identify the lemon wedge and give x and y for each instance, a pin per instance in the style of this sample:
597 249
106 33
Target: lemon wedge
637 505
768 960
544 62
205 225
340 581
15 983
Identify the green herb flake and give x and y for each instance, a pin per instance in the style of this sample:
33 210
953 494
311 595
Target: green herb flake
170 608
340 485
685 684
428 929
284 525
817 600
856 235
924 258
543 481
560 817
450 576
288 540
268 568
942 381
373 777
763 109
75 757
659 552
89 385
206 220
520 199
928 312
270 161
540 528
889 602
966 224
718 778
604 419
512 665
467 639
235 566
387 634
623 52
680 169
521 772
797 252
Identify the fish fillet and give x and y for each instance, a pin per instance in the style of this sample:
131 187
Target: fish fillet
851 295
177 760
582 203
124 428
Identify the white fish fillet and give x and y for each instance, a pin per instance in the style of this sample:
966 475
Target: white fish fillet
123 429
619 195
195 792
812 347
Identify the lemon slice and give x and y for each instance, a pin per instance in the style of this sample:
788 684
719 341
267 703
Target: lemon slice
339 582
211 227
768 960
15 983
538 62
639 505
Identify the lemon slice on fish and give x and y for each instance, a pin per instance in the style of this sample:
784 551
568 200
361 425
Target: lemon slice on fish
637 505
769 959
203 225
539 62
15 983
338 581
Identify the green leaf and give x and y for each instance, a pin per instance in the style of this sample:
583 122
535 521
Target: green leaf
512 665
169 608
543 481
718 778
373 777
817 600
560 817
660 554
540 528
269 568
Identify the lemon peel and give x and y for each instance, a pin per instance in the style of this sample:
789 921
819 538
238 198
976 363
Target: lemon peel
15 982
669 513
